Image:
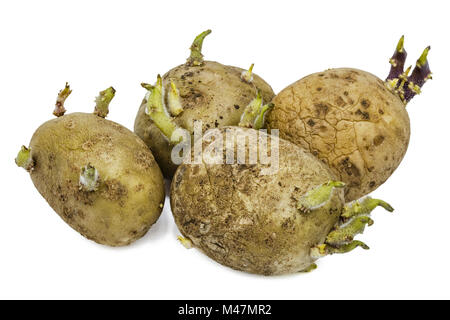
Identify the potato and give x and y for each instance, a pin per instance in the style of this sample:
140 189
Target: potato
351 120
97 175
198 90
263 221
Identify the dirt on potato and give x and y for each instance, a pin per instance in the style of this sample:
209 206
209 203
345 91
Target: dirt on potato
246 219
212 93
130 192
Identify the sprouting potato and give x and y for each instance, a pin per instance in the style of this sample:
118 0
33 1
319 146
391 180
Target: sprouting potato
97 175
198 90
351 120
254 218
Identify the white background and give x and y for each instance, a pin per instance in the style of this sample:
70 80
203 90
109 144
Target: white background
95 44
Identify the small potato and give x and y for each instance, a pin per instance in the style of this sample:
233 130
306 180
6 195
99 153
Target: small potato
352 120
258 218
198 90
96 174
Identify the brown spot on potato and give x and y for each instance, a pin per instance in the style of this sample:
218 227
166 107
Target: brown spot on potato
178 177
69 124
350 78
67 213
311 122
244 219
71 213
378 140
321 109
350 168
287 224
81 196
51 161
340 102
354 132
144 159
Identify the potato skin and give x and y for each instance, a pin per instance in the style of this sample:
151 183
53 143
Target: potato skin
350 121
131 190
213 93
249 221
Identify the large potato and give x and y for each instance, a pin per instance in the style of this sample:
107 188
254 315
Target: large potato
261 223
351 120
210 92
97 175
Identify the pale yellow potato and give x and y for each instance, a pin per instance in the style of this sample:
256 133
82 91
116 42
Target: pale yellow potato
130 192
212 93
249 221
348 119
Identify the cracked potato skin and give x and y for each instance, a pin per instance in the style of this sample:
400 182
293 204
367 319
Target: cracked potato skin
249 221
349 120
131 187
212 93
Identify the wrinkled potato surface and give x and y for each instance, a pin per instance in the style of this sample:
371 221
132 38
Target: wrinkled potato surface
130 192
212 93
248 221
349 120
